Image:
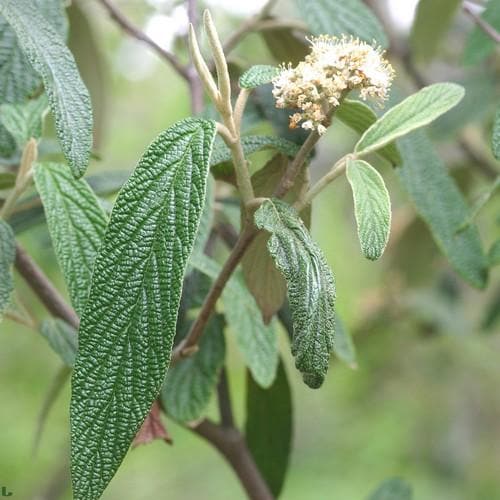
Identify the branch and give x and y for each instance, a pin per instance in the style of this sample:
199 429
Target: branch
195 84
487 28
136 33
224 399
231 444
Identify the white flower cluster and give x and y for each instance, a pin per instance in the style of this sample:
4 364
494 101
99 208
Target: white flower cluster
333 68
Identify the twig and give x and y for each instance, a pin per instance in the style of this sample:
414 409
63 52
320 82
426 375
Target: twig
136 33
487 28
195 85
224 399
231 444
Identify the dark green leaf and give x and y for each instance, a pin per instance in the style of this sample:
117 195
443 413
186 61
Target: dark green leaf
128 326
258 75
495 138
268 428
7 256
7 180
76 224
339 17
68 97
392 489
62 338
191 382
442 206
311 288
285 46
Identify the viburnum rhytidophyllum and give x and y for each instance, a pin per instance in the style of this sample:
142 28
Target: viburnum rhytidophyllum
334 67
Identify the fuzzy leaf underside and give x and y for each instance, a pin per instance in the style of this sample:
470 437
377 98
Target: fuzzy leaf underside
414 112
7 256
68 97
76 225
311 288
62 338
128 326
372 207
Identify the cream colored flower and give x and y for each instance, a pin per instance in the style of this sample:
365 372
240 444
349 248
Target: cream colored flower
334 67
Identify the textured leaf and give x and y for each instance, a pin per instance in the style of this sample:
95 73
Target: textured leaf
479 45
261 276
127 329
442 206
24 121
432 20
358 116
284 45
191 382
494 254
62 338
495 138
392 489
414 112
268 428
257 342
372 207
311 288
76 224
258 75
68 97
344 347
338 17
7 256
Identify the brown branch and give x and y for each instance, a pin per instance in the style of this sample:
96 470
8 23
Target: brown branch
136 33
231 444
224 400
487 28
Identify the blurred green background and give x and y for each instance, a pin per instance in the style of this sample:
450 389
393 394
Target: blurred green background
423 402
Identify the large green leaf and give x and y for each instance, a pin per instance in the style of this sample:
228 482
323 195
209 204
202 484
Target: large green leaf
268 428
432 21
68 97
442 206
76 224
392 489
414 112
311 288
128 326
372 207
24 121
338 17
62 338
7 256
257 342
358 116
495 137
190 383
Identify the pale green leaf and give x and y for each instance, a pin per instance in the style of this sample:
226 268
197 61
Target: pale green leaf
62 338
372 207
358 116
24 121
339 17
414 112
68 97
495 138
494 254
257 342
190 383
344 347
7 256
432 20
269 428
311 288
392 489
258 75
442 206
76 224
128 326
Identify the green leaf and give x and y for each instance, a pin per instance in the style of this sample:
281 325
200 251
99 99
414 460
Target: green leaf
264 281
494 254
414 112
392 489
442 206
128 326
7 256
311 288
76 224
68 97
258 75
358 116
207 217
372 207
191 382
495 138
339 17
268 428
344 347
62 338
285 46
432 20
257 342
479 45
7 180
24 121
